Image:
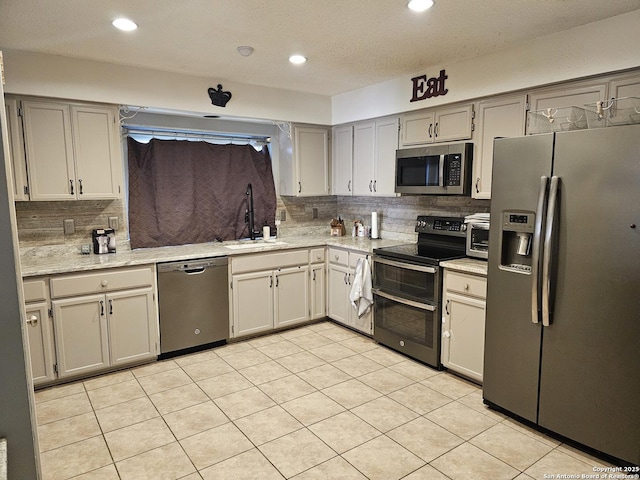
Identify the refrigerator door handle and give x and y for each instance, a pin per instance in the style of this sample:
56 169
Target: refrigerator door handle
535 257
547 252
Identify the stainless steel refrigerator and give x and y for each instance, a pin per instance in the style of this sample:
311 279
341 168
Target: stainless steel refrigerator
562 338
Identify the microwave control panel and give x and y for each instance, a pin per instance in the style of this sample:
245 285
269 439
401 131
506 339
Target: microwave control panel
454 170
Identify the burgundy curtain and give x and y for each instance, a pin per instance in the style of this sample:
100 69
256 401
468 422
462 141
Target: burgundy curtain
183 192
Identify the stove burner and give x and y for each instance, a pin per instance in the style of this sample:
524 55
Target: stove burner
439 239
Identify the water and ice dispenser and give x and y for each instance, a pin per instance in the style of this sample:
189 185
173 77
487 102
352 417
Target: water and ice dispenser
517 240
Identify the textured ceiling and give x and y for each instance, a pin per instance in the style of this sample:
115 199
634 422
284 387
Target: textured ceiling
349 43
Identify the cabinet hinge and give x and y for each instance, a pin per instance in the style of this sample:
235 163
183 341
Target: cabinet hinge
473 126
231 285
232 330
20 110
26 189
527 106
50 312
55 368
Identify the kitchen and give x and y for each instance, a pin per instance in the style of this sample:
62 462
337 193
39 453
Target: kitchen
131 86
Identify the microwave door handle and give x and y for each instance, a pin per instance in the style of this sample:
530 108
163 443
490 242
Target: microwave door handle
406 266
441 171
422 306
536 248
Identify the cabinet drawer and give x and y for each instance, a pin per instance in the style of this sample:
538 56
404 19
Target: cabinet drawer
466 284
355 256
103 281
268 261
316 255
339 257
35 290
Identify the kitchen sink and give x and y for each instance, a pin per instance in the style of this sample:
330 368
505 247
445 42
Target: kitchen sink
257 244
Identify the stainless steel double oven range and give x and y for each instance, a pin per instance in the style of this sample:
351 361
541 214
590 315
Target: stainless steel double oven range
407 281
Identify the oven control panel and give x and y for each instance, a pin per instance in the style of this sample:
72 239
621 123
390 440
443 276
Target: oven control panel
441 225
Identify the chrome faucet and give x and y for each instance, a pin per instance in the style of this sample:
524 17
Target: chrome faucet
249 217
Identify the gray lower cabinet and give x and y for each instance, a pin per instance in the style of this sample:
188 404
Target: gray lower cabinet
269 290
39 330
463 321
98 321
342 266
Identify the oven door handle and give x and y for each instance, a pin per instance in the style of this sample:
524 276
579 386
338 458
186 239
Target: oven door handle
422 306
407 266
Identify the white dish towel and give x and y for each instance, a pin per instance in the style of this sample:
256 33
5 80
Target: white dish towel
361 296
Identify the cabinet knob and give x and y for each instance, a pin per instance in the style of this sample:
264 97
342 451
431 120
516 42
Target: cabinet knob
33 320
104 283
446 334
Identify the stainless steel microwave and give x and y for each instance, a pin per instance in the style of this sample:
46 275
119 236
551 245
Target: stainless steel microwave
434 170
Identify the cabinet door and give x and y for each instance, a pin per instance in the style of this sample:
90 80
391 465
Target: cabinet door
496 118
318 288
463 335
342 160
338 294
80 326
568 96
97 153
49 151
291 295
363 323
453 124
252 295
15 148
363 156
311 146
40 338
385 157
417 128
132 326
625 87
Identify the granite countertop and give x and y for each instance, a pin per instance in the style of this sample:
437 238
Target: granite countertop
50 261
467 265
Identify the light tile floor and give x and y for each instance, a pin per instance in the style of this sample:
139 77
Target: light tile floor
316 402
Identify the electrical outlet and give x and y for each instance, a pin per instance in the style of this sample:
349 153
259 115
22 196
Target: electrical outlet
113 223
69 226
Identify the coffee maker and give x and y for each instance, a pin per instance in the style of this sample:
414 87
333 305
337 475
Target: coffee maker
104 240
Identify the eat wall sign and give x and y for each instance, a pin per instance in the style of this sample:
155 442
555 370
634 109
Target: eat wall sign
424 87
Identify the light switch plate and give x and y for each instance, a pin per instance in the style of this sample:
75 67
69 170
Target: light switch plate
113 223
69 226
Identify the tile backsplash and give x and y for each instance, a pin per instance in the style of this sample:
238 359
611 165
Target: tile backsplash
42 223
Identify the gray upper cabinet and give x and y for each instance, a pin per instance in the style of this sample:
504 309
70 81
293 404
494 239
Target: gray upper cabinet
72 151
500 117
16 150
628 86
364 157
342 160
304 161
440 125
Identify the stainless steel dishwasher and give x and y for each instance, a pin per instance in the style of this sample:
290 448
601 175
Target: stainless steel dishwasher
193 299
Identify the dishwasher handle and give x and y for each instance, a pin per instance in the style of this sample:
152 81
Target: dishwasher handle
193 267
194 271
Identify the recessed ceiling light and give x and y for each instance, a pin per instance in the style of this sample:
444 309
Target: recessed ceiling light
420 5
245 50
124 24
297 59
